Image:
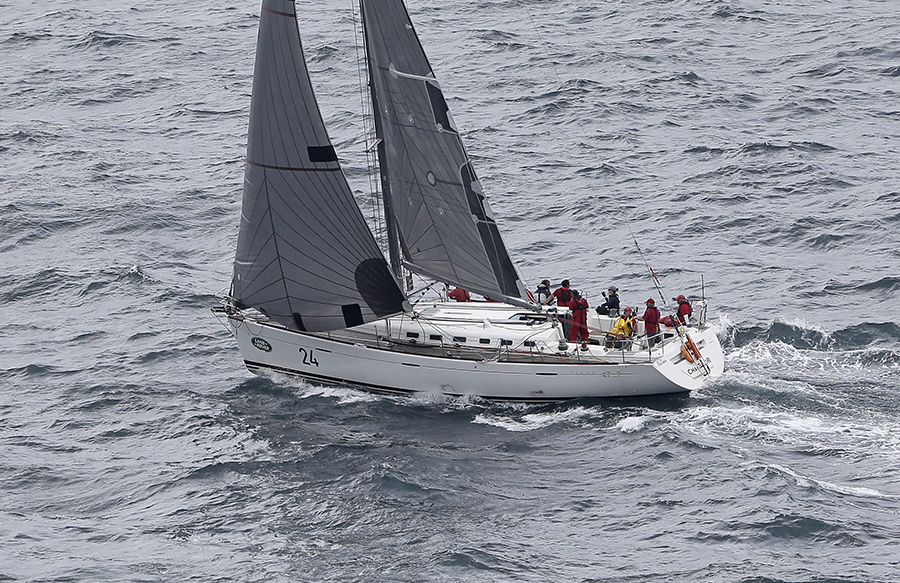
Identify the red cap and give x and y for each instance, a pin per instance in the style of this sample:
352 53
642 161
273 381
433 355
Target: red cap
679 297
650 301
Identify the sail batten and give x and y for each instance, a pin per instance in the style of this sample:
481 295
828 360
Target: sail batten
445 226
305 255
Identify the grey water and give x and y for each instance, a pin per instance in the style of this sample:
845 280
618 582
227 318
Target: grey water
748 147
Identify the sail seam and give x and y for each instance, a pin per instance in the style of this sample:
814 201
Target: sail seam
292 169
277 12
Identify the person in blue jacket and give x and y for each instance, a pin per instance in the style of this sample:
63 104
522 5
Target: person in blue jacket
611 305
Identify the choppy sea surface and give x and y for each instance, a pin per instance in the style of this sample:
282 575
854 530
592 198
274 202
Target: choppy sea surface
751 149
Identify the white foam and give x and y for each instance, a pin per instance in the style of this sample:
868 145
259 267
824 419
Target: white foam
807 482
136 269
532 421
803 431
344 395
632 424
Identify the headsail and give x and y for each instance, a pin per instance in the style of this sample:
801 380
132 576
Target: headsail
305 255
446 227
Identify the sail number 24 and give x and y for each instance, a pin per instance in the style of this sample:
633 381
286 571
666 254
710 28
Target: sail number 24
309 357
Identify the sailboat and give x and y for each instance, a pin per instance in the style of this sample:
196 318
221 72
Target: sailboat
313 295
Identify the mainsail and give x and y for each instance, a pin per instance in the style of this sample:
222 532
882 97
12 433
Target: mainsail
445 225
305 256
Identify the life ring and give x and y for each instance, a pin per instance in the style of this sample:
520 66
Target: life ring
686 353
693 347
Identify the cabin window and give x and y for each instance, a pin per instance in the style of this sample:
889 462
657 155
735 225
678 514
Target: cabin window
530 343
437 337
459 338
505 342
412 334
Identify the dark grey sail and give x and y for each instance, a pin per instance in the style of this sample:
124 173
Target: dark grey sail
305 255
445 225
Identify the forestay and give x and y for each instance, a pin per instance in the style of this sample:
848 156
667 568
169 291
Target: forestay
305 255
446 228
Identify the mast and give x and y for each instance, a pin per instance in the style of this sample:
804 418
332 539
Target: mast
390 223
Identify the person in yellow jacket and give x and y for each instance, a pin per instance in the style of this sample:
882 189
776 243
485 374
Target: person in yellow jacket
621 333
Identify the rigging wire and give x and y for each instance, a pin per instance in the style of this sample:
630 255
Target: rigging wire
368 130
600 164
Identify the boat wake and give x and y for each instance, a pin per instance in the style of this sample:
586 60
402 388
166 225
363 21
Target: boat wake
537 420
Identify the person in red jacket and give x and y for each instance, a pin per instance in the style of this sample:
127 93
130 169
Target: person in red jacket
651 320
684 310
563 294
579 307
460 295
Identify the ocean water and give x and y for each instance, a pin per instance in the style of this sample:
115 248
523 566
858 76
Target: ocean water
749 147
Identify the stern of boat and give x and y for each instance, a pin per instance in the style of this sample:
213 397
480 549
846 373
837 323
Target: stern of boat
692 359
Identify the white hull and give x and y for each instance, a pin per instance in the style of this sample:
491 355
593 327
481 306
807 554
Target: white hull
365 358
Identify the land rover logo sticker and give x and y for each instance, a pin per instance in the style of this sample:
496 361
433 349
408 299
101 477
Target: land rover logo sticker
261 344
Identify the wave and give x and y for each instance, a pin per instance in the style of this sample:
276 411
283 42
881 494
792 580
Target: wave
102 39
59 282
879 339
27 37
829 487
47 282
502 40
39 371
322 53
536 420
798 419
31 136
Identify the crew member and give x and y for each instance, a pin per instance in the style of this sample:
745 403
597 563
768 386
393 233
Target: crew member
651 320
622 331
579 307
563 297
611 305
460 295
563 294
684 310
543 295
